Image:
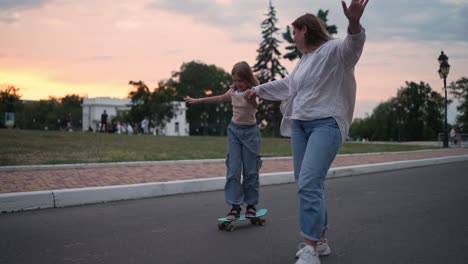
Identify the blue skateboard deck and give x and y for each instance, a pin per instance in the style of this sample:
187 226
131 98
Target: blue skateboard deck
226 224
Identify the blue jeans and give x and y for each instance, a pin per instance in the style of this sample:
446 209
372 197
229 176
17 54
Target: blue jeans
243 155
315 145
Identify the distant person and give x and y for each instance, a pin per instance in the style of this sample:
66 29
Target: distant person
318 104
70 122
113 128
104 121
243 143
136 128
129 129
124 128
119 128
145 125
458 138
453 133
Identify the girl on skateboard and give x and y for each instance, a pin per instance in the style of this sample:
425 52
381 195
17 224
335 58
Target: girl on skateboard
243 142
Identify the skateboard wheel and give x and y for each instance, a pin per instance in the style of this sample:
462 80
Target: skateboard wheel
230 228
221 226
261 222
253 221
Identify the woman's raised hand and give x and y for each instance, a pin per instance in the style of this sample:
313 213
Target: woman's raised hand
250 95
355 9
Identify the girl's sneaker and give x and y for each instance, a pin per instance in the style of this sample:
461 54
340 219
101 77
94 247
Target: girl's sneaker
322 248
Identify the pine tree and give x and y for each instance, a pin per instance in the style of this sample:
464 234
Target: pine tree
294 53
268 65
267 68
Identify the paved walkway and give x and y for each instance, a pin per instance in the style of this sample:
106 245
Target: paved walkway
53 178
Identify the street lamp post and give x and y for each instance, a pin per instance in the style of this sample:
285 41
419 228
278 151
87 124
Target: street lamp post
444 69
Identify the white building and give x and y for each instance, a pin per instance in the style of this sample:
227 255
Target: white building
178 126
94 107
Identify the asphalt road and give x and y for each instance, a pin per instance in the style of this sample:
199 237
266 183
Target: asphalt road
408 216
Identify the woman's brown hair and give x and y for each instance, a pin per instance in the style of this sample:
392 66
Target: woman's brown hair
316 33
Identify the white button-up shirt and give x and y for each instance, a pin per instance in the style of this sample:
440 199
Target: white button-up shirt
321 85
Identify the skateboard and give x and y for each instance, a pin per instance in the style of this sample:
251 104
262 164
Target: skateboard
226 224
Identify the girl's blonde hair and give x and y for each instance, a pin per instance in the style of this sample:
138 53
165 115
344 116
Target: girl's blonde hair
243 71
316 33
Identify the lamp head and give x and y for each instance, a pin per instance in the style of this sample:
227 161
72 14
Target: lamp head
444 69
442 57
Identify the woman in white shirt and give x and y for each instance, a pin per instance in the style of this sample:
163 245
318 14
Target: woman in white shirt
317 104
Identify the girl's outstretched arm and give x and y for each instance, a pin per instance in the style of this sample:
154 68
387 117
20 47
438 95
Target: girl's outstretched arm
210 100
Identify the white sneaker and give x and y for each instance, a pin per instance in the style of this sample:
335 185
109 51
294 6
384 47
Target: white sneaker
308 256
322 248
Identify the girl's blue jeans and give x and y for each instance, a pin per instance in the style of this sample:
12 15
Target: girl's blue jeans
315 145
243 156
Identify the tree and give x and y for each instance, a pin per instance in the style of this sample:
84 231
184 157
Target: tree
267 68
433 115
197 79
43 114
382 122
460 90
72 110
422 111
161 105
52 113
361 128
416 113
140 98
156 105
10 101
294 53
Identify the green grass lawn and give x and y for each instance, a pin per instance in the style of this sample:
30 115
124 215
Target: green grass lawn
28 147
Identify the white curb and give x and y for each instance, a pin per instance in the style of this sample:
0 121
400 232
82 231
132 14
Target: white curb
10 202
80 196
388 166
18 201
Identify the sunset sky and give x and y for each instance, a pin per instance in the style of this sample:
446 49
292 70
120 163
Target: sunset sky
94 48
